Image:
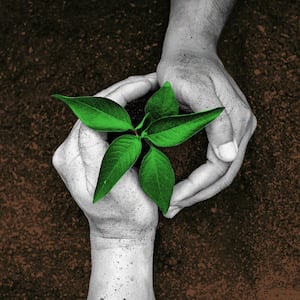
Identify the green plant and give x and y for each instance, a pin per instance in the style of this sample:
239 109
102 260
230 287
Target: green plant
161 126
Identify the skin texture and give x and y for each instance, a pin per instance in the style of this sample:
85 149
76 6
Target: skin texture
122 228
190 62
122 224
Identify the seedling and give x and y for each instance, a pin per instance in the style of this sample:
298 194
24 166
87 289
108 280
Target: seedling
161 126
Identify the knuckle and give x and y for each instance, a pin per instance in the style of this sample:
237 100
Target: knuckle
58 158
245 118
247 115
251 121
133 77
254 122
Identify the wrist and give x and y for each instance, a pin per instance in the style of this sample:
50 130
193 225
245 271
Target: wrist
99 243
195 26
122 268
178 44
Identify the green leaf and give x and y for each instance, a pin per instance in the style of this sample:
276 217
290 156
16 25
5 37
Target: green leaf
174 130
143 122
119 157
162 103
98 113
157 178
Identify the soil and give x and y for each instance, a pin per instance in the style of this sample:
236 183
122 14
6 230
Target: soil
241 244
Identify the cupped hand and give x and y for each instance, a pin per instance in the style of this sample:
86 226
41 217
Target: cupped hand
126 212
200 82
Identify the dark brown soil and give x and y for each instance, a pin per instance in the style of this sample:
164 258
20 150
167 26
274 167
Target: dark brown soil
242 244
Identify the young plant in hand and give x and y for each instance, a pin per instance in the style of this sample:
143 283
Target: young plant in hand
161 126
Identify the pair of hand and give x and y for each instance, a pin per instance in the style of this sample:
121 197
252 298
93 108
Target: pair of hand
126 212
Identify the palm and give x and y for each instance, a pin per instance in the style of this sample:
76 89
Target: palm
126 212
201 83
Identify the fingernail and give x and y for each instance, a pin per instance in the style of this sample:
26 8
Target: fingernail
227 152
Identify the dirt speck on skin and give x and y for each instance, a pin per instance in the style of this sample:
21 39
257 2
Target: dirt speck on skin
241 244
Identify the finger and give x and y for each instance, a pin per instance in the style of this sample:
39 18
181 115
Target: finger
235 102
172 212
225 180
83 151
200 178
235 87
92 145
132 90
68 163
219 132
214 169
152 77
116 85
68 150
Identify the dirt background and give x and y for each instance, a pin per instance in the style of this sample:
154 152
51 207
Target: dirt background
242 244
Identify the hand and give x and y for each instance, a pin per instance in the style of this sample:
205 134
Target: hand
201 82
123 223
126 212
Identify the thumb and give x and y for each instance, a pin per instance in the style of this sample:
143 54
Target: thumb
133 90
220 131
220 136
